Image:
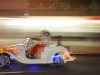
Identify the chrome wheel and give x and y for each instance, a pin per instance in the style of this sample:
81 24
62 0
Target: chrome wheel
4 60
57 61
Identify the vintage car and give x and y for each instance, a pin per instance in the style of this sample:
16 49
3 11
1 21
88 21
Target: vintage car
53 54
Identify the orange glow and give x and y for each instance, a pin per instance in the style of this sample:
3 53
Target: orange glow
94 18
10 50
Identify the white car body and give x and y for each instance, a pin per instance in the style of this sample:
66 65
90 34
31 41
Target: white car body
46 56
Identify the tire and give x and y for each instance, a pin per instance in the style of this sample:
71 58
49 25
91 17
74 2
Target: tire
53 65
57 61
4 60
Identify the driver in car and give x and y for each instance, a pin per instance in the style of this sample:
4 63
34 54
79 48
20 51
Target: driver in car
45 41
45 38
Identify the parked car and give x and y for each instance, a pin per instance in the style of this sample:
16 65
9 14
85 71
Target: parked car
53 55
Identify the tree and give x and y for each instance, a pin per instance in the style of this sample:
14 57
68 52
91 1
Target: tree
34 3
62 4
98 3
86 4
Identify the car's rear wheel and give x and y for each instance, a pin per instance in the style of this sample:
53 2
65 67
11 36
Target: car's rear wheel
57 60
4 60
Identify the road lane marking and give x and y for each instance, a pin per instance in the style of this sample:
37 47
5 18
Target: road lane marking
11 72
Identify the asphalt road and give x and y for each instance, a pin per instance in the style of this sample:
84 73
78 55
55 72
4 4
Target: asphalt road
83 65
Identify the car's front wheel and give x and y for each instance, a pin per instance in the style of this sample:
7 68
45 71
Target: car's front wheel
4 60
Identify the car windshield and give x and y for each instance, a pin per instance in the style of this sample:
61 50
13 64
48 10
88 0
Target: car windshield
32 42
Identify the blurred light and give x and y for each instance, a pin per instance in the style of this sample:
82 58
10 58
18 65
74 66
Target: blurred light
48 23
12 66
33 67
93 18
26 14
3 18
55 24
11 57
56 58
